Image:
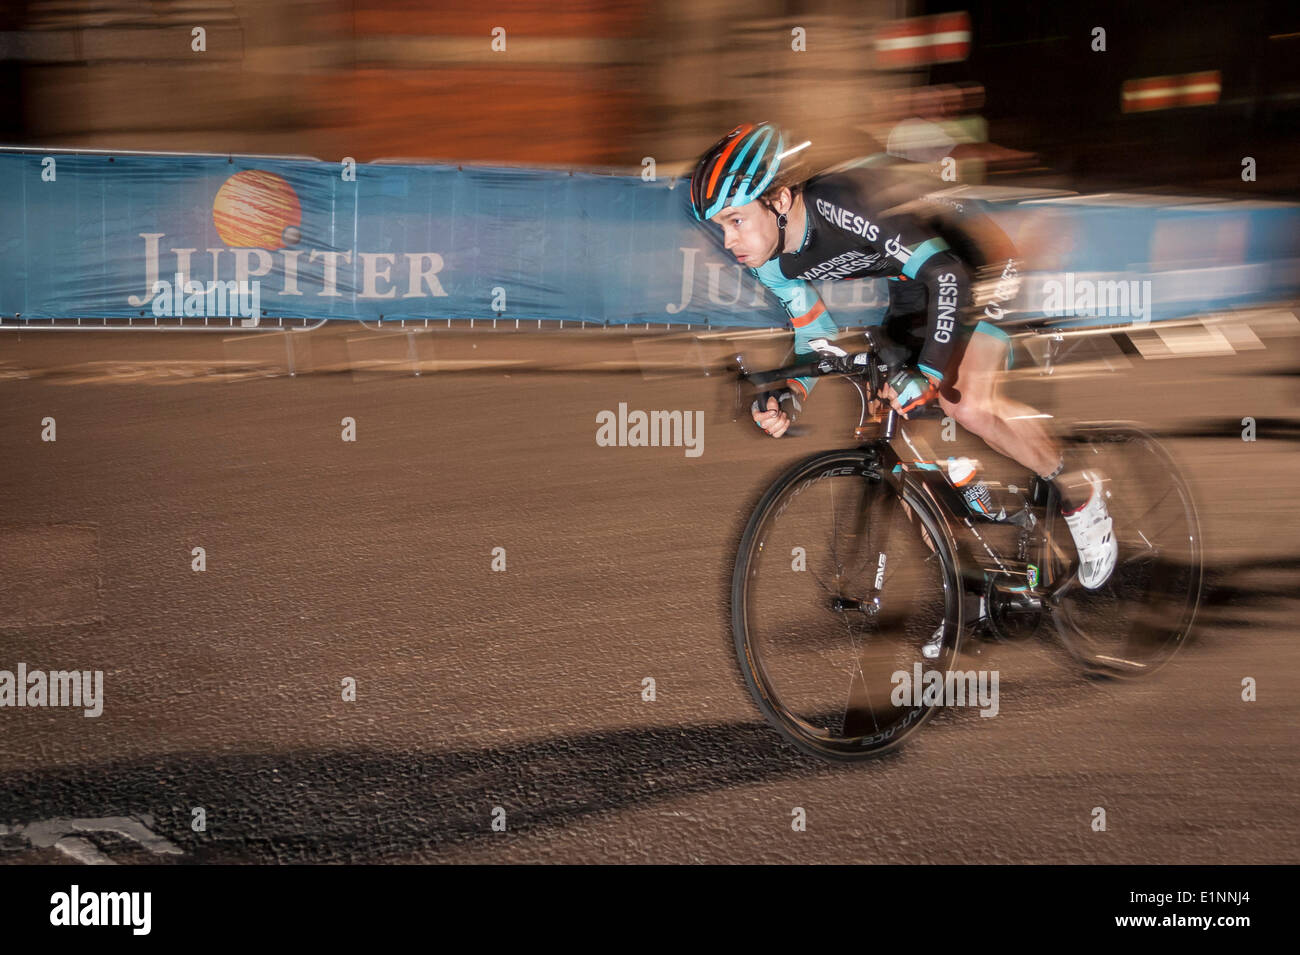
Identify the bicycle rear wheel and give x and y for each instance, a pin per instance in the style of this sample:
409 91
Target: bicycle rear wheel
839 583
1135 622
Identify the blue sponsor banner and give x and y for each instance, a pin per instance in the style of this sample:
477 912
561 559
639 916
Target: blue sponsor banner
1116 258
94 235
138 236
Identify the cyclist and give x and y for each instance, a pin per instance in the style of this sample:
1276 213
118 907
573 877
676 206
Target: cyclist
951 273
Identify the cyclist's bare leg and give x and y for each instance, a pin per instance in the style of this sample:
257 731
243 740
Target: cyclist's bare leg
1008 427
1015 430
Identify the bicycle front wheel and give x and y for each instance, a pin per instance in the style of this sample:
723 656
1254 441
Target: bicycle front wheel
844 592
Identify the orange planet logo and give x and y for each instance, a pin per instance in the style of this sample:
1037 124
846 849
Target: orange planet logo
257 209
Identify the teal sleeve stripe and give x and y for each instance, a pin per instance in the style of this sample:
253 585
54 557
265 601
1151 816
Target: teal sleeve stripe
931 372
823 326
797 296
922 254
990 329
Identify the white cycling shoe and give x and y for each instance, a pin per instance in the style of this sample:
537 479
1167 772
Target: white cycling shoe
1094 536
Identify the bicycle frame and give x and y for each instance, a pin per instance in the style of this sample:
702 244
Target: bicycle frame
979 561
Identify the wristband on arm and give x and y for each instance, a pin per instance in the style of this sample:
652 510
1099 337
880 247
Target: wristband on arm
912 388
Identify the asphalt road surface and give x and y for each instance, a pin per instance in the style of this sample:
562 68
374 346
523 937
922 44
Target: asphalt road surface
516 695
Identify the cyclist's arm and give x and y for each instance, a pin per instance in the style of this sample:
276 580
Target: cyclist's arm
884 213
954 245
807 313
948 283
918 253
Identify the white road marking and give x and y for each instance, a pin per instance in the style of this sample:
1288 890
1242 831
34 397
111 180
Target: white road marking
61 834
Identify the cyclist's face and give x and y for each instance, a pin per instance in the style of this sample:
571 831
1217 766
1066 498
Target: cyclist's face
749 233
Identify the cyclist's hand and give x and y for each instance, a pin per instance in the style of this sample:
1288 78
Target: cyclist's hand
909 389
781 411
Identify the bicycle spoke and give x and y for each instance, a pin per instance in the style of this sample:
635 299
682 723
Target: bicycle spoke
835 531
828 684
858 524
1143 517
853 702
821 583
1153 539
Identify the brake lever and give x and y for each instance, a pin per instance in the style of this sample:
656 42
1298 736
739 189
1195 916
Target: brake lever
740 403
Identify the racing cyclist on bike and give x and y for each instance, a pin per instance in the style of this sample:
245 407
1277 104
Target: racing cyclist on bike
950 277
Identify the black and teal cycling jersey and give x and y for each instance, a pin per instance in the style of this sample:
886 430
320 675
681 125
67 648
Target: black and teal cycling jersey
867 222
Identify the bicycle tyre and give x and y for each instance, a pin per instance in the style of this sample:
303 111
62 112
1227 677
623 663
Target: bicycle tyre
1135 624
858 466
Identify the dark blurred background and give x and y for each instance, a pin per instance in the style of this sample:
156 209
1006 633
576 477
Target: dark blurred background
607 82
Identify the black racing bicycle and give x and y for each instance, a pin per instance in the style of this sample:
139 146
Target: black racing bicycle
864 567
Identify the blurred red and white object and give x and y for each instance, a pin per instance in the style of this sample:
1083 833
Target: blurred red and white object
1166 92
918 41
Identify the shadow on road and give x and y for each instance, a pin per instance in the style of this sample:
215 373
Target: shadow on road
361 806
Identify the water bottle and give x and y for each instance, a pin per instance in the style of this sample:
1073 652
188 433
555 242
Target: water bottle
976 494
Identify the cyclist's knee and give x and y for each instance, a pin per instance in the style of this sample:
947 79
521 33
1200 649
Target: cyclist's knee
972 413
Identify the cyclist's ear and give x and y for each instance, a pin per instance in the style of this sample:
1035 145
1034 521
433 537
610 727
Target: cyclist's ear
770 200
